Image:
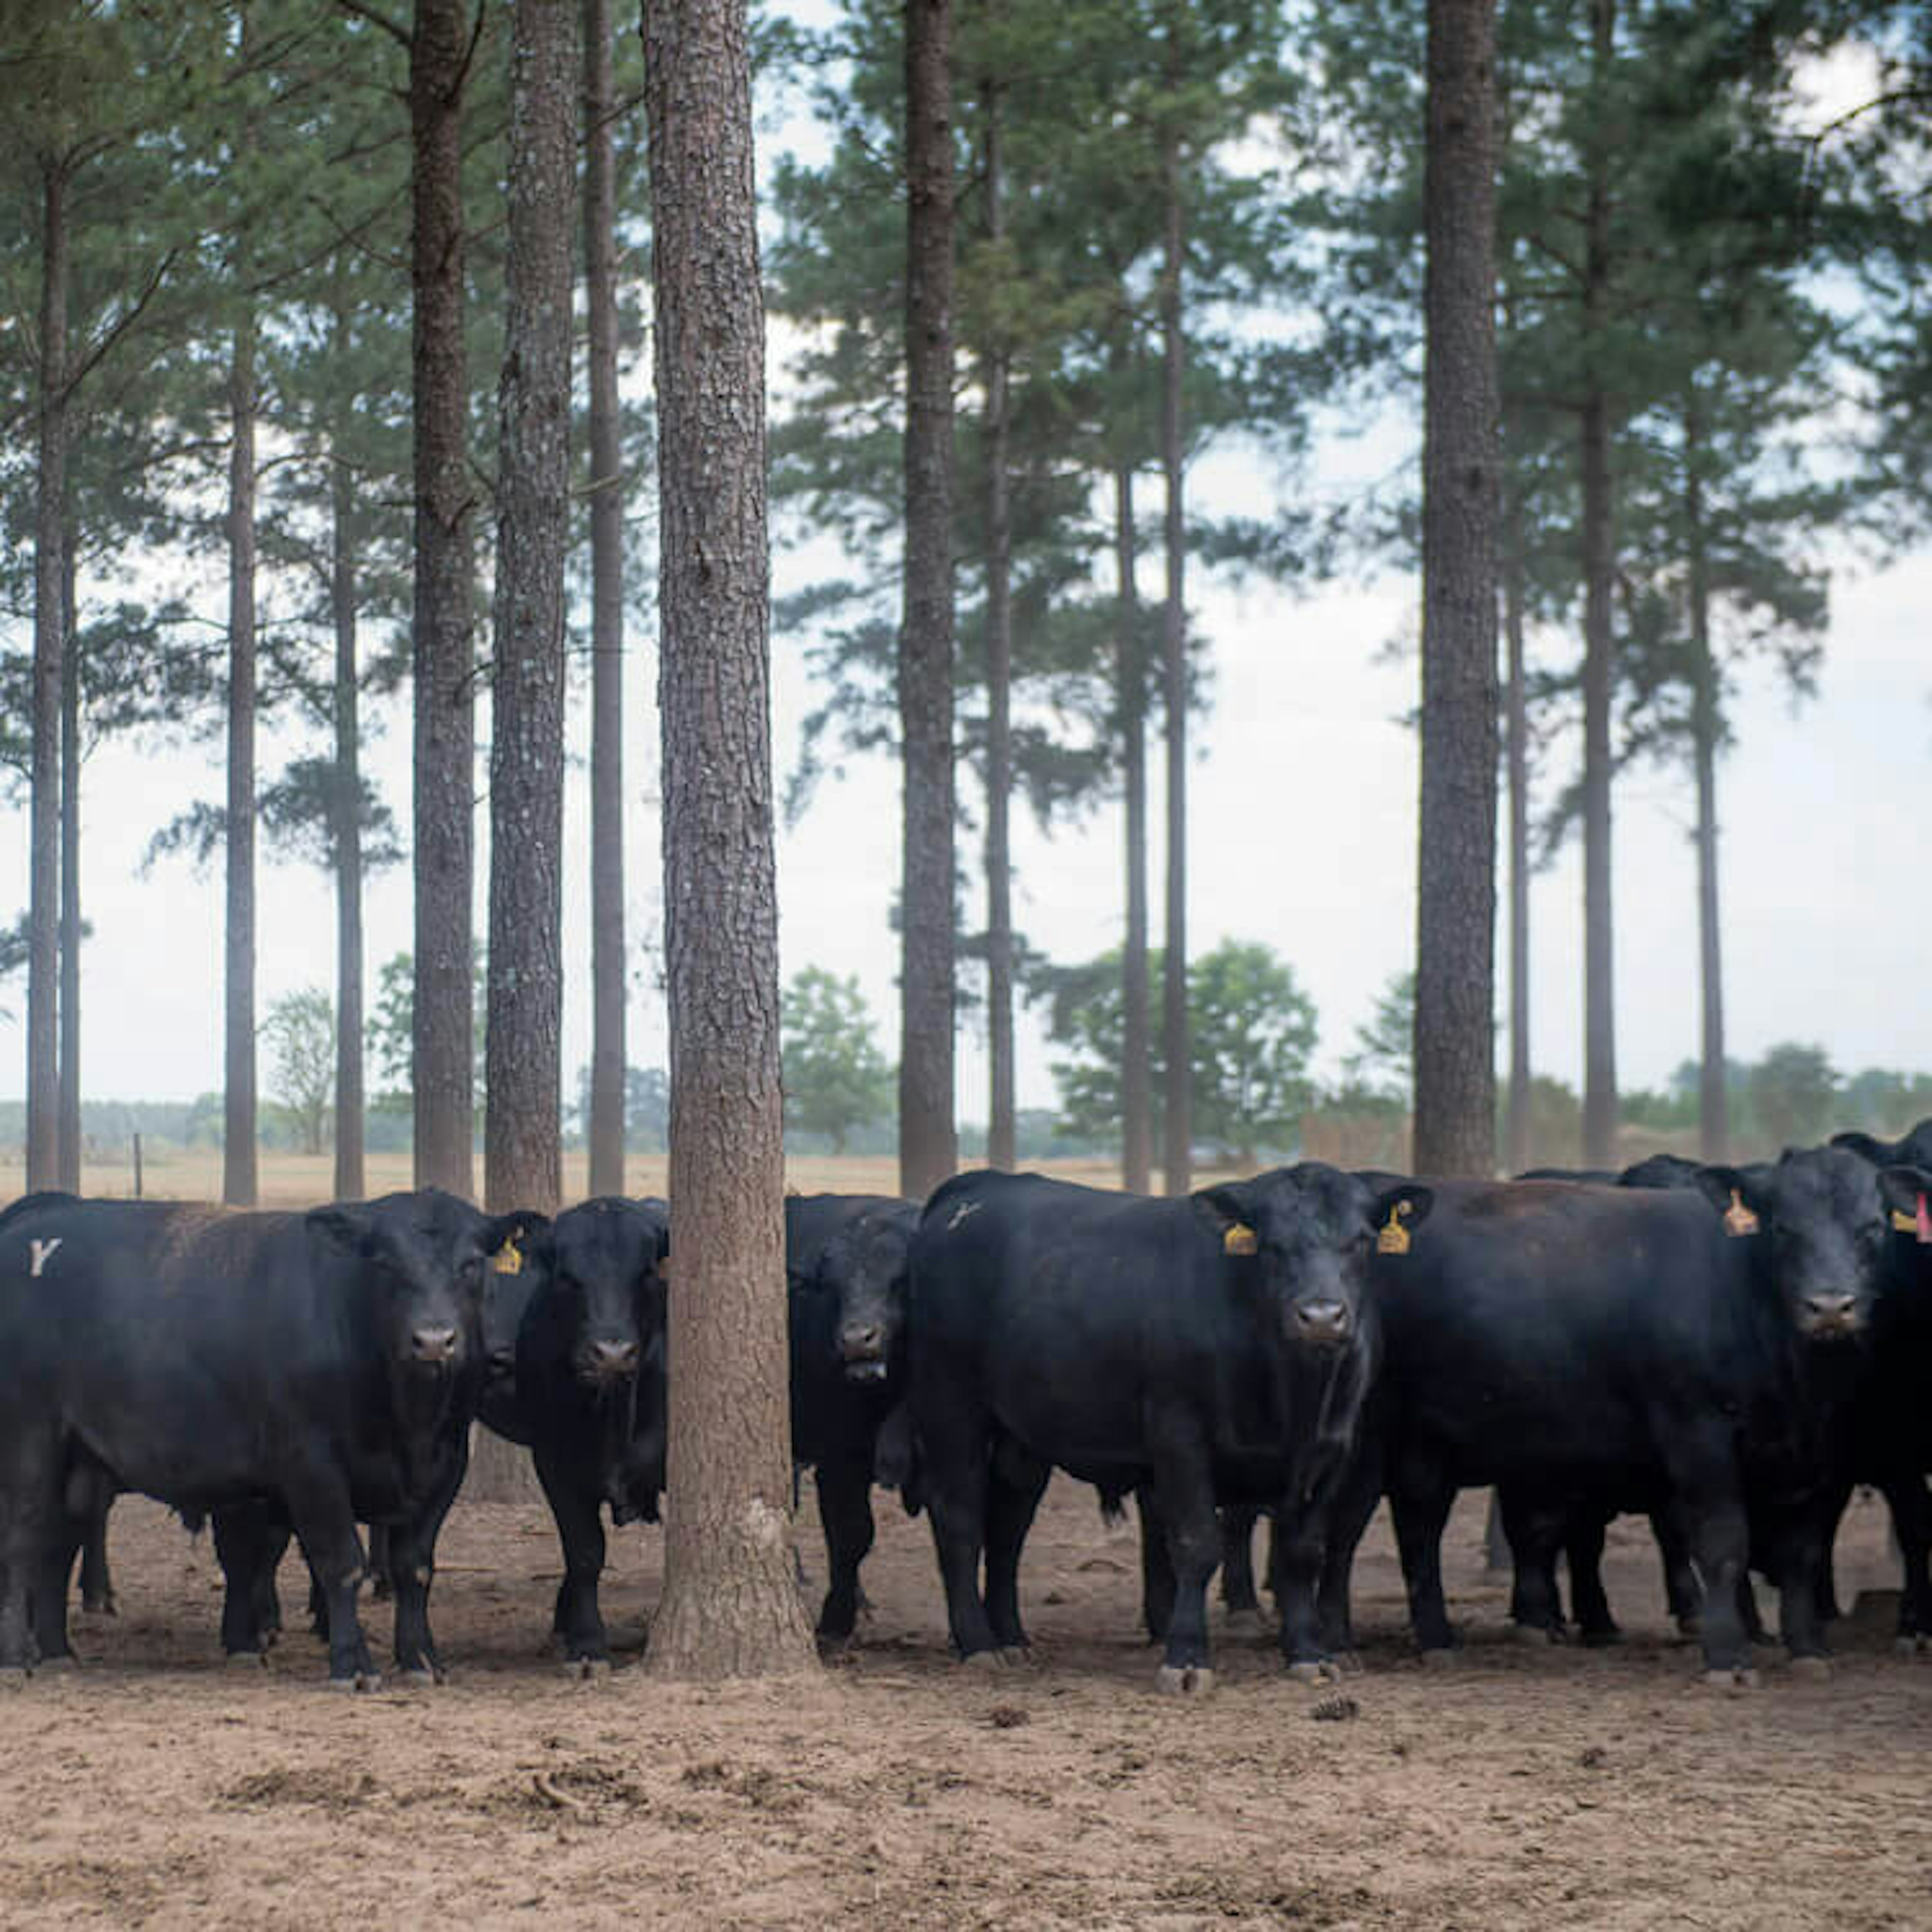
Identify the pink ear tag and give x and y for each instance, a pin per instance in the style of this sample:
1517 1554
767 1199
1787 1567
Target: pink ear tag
1924 1224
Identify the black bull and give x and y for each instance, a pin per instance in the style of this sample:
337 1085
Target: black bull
326 1364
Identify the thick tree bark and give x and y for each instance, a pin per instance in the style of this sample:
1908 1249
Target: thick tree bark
1599 1047
444 805
1178 1129
239 1181
350 1183
928 1143
730 1607
607 1054
523 1074
1002 1132
1517 1133
49 668
69 863
1455 979
1713 1097
1136 1095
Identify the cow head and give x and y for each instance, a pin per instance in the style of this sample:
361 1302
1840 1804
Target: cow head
1308 1233
1915 1150
1822 1218
864 1265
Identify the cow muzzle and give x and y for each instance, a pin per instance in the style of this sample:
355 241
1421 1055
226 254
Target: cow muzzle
861 1348
1830 1317
433 1348
607 1361
1321 1320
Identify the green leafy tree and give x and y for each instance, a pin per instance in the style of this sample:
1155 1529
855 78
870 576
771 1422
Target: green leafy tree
1794 1093
300 1035
1384 1061
391 1031
836 1077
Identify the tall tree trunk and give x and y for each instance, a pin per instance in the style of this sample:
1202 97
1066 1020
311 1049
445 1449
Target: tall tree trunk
49 655
1599 1045
350 1182
928 1143
1002 1133
523 1075
238 1183
1455 951
730 1607
1520 1075
444 814
1130 672
70 861
1176 1158
608 1054
1713 1096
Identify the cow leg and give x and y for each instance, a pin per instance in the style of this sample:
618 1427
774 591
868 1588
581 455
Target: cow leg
1298 1540
956 1474
409 1549
578 1622
1720 1543
1583 1546
1911 1506
382 1562
246 1545
1421 1506
1797 1541
845 1512
1156 1567
97 1586
1184 1491
50 1591
30 1509
1238 1596
325 1525
1681 1590
1535 1532
1013 1497
1361 1490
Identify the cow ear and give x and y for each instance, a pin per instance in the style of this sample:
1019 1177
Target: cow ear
1907 1192
349 1229
1227 1212
1741 1194
1864 1146
1396 1212
509 1239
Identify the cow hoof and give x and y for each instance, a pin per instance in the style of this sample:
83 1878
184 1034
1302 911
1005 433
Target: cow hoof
587 1669
99 1606
1813 1667
1602 1639
249 1659
1192 1680
363 1680
13 1677
1248 1624
1910 1645
1536 1636
417 1680
60 1665
982 1659
1315 1671
1014 1655
1441 1658
1744 1678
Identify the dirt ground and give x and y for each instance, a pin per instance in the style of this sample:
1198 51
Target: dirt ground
1520 1787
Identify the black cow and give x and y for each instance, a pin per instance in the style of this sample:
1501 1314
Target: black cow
1892 1438
846 1274
1216 1348
577 1357
327 1364
1594 1348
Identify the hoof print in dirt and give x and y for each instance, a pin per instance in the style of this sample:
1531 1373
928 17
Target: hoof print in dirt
1335 1710
1322 1673
1744 1679
1192 1680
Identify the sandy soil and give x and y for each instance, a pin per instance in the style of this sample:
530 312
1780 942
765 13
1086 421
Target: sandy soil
1520 1787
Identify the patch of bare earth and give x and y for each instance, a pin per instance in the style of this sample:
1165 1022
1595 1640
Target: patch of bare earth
1522 1787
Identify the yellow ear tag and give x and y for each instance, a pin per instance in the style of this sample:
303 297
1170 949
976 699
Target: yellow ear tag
508 1259
1739 1219
1393 1238
1903 1223
1239 1239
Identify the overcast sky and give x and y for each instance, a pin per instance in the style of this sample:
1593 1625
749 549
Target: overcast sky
1302 812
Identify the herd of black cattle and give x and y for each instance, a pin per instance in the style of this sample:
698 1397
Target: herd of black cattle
1728 1349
